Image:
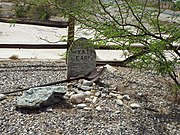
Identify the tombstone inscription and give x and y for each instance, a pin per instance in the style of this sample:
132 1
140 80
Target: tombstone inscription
81 58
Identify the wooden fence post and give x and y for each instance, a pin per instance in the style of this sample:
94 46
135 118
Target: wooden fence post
71 27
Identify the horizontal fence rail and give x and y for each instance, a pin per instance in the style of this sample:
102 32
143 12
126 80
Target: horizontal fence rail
64 24
49 23
64 46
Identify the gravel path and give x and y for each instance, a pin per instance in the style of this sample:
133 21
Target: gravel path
157 114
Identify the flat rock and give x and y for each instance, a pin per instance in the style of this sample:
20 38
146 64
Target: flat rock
2 97
135 106
78 98
81 106
87 83
41 97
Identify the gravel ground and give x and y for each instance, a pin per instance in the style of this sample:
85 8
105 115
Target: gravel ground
157 114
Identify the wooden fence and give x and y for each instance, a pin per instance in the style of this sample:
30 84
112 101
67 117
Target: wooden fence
70 38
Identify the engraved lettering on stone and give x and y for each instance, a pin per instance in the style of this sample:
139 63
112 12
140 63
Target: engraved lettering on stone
81 58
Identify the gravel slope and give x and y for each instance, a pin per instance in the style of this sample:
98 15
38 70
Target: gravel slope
158 115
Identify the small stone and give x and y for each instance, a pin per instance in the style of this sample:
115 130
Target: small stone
91 97
120 97
89 100
87 108
71 93
117 112
86 88
103 95
93 92
81 106
66 97
69 86
2 97
77 91
98 108
88 93
98 94
119 102
49 109
105 90
87 83
110 68
134 105
78 98
95 100
113 94
126 97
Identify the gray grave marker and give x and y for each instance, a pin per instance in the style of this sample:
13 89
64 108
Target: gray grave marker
81 58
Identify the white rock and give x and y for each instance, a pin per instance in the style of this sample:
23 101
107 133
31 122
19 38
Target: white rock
89 100
120 97
110 68
98 108
66 97
126 97
113 94
49 109
81 106
103 95
135 106
71 93
92 97
95 100
87 83
117 112
119 102
78 98
77 91
2 96
98 94
88 93
87 108
86 88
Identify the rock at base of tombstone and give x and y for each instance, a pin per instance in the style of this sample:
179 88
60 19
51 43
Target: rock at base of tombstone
38 97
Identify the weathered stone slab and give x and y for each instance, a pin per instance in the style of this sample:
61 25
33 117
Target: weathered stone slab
81 58
40 97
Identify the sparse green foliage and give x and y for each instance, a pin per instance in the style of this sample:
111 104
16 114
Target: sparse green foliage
126 23
34 9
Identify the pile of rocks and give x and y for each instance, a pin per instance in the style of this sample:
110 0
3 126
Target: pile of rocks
84 94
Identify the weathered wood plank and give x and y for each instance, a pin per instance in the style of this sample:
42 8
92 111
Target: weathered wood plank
58 24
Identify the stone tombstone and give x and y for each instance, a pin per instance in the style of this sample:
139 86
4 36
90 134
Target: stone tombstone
81 58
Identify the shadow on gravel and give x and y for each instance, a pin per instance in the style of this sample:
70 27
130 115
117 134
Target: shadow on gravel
159 123
62 105
162 120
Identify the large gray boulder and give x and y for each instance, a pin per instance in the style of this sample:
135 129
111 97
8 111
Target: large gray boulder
40 97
